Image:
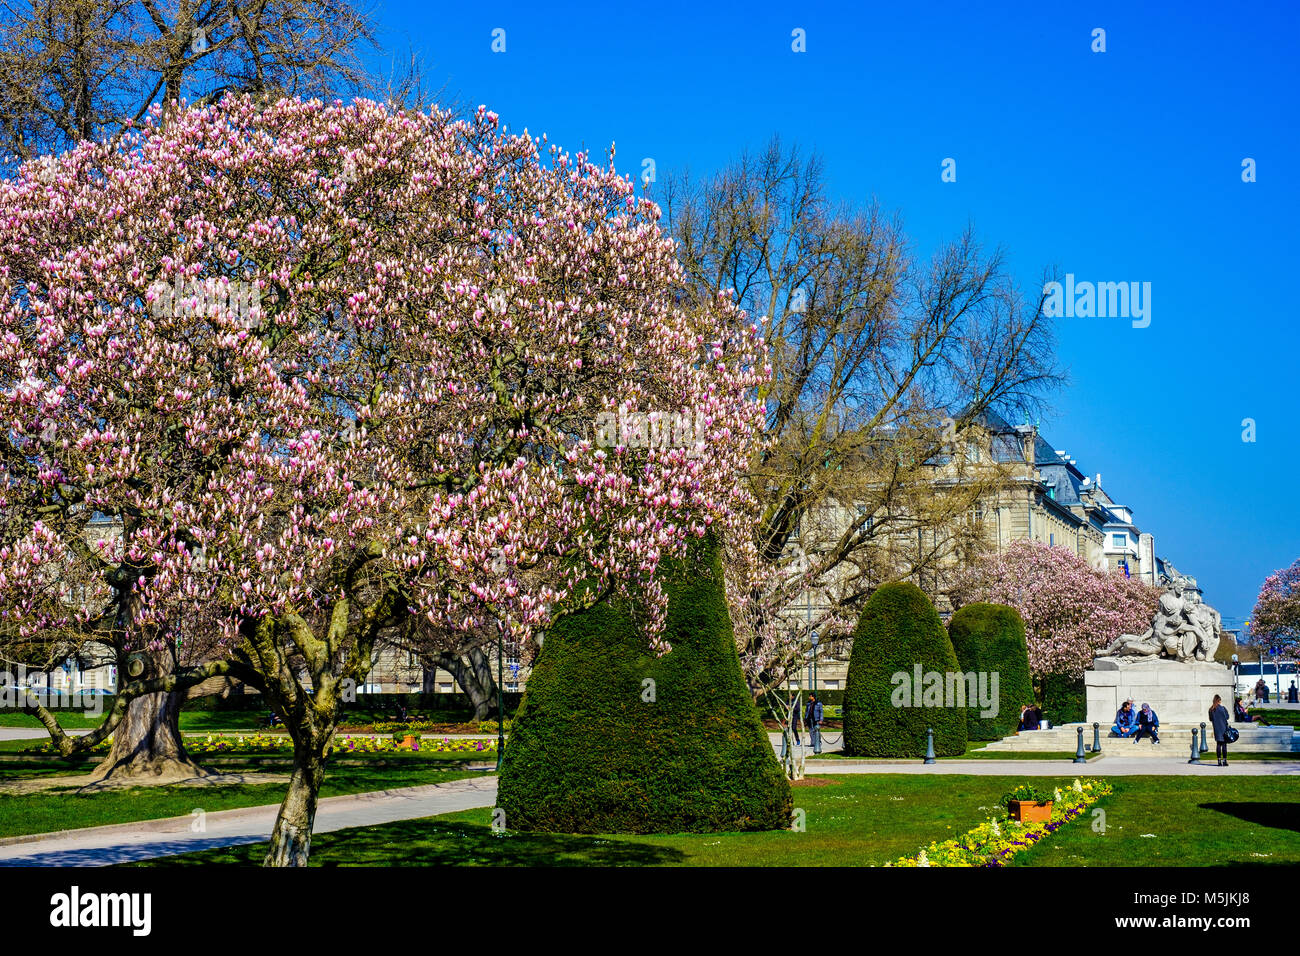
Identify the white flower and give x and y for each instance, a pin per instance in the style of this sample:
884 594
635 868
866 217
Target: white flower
1078 787
922 859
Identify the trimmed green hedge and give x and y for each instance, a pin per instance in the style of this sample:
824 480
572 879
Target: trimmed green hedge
591 752
990 639
898 630
1065 699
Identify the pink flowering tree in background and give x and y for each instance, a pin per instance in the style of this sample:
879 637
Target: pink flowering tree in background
1070 608
341 367
1275 622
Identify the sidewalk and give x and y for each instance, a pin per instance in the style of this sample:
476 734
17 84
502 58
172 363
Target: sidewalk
126 842
1103 766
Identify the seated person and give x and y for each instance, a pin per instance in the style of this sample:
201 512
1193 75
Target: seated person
1029 717
1148 725
1125 720
1239 710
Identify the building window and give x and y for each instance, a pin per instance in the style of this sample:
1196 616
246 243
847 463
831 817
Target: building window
1051 540
1120 540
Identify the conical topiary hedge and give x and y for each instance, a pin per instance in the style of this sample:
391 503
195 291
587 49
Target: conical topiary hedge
990 639
899 629
597 748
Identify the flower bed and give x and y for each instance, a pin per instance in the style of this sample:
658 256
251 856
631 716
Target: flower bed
994 842
260 743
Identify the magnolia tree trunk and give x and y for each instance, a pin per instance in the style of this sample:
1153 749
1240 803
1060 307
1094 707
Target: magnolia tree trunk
291 838
147 745
473 672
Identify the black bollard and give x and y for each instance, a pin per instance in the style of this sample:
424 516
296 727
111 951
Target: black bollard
1078 754
929 745
1096 737
1196 755
1204 747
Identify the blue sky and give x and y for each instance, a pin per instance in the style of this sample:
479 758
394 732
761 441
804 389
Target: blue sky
1115 166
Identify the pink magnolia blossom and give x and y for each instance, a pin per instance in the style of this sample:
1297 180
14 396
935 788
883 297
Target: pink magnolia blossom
1070 608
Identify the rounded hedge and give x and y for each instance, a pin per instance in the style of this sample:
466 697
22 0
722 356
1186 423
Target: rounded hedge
1065 699
990 639
611 739
899 631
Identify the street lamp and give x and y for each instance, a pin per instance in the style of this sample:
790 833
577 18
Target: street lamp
814 644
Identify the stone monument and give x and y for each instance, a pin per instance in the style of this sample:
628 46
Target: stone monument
1171 666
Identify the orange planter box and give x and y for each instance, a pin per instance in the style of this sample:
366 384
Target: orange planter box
1030 812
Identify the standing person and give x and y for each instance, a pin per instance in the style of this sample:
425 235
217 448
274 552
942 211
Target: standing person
813 721
794 720
1148 724
1261 691
1219 718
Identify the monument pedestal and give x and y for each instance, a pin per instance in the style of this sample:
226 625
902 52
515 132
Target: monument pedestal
1178 691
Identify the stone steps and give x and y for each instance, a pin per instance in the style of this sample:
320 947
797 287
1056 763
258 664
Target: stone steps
1175 740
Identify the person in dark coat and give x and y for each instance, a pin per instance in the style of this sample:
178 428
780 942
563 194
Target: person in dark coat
1219 718
813 721
1148 725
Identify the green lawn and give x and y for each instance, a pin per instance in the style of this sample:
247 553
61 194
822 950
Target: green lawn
198 721
1276 718
850 821
860 821
1182 821
63 809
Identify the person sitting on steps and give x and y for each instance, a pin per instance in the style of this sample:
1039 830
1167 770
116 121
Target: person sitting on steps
1148 724
1125 720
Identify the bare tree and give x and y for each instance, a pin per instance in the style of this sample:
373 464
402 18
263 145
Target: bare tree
881 362
72 70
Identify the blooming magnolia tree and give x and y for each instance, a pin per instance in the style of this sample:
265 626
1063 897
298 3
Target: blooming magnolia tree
338 368
1070 608
1276 618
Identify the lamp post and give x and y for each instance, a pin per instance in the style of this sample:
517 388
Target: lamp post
814 644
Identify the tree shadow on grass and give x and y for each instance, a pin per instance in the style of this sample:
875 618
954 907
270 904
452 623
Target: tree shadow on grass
424 843
1280 816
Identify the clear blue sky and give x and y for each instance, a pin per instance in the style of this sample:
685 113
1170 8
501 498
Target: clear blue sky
1115 166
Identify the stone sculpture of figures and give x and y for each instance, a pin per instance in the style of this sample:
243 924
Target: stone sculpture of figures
1182 628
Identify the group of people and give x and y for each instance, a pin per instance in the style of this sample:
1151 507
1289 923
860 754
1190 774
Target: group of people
1137 724
812 719
1143 722
1261 693
1031 718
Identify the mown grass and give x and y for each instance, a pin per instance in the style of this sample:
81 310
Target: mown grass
849 821
198 721
862 821
1181 821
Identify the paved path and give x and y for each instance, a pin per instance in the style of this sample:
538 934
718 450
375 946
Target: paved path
122 843
33 733
1101 767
